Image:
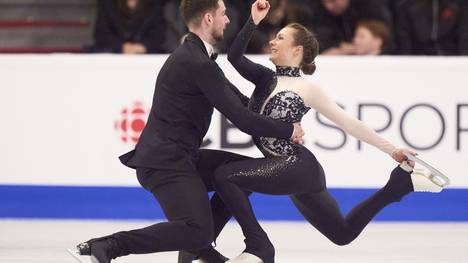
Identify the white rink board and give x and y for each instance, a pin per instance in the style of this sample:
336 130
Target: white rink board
59 112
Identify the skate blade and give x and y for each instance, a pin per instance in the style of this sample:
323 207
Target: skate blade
84 258
94 260
436 176
76 255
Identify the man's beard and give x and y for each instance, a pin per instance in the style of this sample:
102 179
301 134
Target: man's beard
217 36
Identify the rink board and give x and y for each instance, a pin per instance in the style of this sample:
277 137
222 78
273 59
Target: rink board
135 203
66 119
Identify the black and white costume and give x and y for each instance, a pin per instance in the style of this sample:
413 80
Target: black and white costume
291 169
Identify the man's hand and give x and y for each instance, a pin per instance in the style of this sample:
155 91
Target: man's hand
399 156
298 133
260 9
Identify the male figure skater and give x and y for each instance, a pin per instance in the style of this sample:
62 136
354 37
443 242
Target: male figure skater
167 158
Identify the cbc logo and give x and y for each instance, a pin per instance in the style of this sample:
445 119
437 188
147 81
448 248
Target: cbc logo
131 123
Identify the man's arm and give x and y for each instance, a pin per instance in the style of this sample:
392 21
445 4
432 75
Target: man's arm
244 99
214 85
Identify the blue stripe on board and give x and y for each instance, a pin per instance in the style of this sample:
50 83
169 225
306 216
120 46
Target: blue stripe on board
71 202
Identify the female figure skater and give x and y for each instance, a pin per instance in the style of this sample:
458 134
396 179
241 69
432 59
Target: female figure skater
291 169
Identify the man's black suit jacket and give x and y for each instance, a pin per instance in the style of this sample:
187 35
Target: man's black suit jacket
188 86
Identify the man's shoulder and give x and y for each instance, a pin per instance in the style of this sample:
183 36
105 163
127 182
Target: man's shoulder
190 64
191 55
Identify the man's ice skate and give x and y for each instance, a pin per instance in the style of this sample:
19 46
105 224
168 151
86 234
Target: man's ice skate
424 177
208 255
76 255
97 250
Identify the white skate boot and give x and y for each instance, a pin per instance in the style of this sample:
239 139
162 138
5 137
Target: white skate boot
424 177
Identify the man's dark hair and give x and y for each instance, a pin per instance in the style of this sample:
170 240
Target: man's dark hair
193 10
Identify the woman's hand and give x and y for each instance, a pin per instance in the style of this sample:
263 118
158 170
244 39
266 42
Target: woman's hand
399 156
260 9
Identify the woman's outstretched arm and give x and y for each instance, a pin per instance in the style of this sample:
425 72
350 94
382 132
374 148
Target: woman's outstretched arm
320 101
249 70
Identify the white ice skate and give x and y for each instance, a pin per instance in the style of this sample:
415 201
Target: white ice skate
424 177
245 258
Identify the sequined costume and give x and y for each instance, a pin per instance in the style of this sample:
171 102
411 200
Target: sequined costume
290 169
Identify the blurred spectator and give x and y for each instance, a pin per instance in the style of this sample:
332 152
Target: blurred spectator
334 21
129 27
282 12
236 11
436 27
372 37
175 26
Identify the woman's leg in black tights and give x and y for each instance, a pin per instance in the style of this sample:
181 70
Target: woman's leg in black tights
278 176
322 211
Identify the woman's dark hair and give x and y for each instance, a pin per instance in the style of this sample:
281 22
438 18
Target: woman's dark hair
192 10
305 38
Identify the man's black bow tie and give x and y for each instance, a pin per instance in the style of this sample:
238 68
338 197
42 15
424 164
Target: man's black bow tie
214 56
